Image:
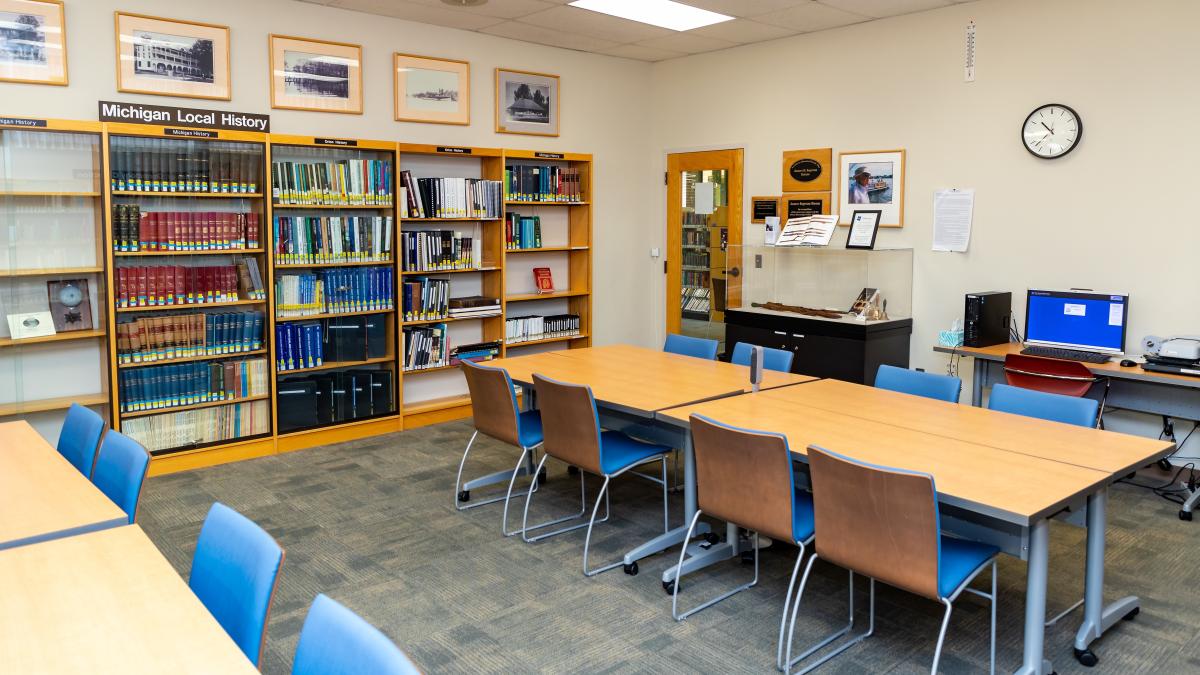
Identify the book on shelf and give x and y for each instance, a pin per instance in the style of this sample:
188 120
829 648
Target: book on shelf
425 347
542 183
473 306
334 397
181 336
519 329
185 384
423 298
318 239
190 428
450 197
135 229
310 344
543 279
167 165
334 291
174 285
475 352
438 250
695 299
522 231
346 182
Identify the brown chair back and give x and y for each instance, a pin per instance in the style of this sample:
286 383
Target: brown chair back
877 521
1053 376
744 477
570 427
493 401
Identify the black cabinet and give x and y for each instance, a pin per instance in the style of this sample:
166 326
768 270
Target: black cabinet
842 350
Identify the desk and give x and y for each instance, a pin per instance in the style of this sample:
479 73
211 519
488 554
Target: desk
989 493
106 602
42 496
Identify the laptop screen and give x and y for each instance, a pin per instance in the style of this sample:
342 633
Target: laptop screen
1077 320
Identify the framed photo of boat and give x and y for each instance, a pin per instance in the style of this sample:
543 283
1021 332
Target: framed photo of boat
430 89
873 179
33 42
317 75
526 103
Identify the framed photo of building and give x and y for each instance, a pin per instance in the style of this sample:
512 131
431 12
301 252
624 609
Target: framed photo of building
429 89
33 42
318 75
167 57
872 179
526 103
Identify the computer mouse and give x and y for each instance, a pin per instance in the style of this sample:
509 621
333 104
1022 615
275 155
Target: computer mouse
1128 363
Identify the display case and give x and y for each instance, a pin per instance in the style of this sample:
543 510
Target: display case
842 312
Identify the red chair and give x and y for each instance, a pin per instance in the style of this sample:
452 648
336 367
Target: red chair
1054 376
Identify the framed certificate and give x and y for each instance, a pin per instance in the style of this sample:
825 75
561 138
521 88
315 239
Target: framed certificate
864 225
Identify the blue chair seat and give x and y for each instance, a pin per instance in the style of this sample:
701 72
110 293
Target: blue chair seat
959 559
618 451
804 523
530 425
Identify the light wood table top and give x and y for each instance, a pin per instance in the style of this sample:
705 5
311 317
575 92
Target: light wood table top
1110 368
1107 451
42 496
106 602
1014 487
638 378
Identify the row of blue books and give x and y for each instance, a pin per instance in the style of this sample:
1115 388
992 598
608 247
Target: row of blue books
334 291
298 345
184 384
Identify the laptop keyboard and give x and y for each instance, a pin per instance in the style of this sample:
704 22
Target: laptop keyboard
1066 354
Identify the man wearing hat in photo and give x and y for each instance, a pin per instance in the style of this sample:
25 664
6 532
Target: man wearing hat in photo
858 187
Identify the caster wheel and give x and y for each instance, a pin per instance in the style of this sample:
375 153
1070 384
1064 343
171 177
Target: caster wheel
669 587
464 496
1185 515
573 471
1132 613
631 569
747 557
1164 464
1086 657
712 538
542 478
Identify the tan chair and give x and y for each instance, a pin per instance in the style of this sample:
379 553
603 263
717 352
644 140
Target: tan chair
494 407
883 523
571 425
746 477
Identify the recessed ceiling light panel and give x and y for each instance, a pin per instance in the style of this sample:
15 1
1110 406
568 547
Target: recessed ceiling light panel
662 13
465 3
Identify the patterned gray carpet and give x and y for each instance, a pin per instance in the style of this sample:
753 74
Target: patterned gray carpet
370 524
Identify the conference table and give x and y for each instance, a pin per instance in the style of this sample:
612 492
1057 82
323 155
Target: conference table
106 602
42 495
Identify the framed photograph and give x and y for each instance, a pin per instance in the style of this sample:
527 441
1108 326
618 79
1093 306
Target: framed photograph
875 179
33 42
315 75
864 225
166 57
430 89
30 325
526 103
70 304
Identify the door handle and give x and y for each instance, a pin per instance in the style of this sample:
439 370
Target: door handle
734 272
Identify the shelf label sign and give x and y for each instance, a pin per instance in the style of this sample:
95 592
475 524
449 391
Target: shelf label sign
548 155
141 113
453 151
21 122
191 133
340 142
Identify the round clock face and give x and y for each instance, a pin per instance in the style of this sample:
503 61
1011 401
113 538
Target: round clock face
1052 131
70 296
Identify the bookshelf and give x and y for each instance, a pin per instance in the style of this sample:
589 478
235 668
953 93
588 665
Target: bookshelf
52 231
333 228
187 226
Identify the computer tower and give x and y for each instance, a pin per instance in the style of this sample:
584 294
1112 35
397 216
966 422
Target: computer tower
987 318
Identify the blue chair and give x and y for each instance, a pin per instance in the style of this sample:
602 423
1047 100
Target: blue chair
336 641
121 470
773 359
234 573
80 436
747 478
571 426
1053 407
495 413
884 523
930 385
701 348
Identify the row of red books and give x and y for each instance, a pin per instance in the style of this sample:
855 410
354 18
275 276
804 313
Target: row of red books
137 230
165 285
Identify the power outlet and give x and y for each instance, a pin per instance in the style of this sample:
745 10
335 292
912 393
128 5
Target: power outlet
758 261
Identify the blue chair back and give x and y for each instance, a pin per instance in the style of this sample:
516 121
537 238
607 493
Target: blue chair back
1043 405
773 359
336 641
234 571
121 470
929 385
80 436
701 348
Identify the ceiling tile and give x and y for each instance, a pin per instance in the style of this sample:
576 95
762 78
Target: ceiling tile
415 11
595 24
809 17
883 8
744 8
742 31
319 2
547 36
642 53
687 42
504 9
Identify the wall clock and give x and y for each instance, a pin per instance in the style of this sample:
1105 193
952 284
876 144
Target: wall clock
1051 131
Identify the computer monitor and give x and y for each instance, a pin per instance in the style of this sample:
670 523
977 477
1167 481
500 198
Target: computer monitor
1088 321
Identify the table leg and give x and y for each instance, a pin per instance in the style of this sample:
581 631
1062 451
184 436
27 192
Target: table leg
1035 662
977 376
698 556
675 536
1096 617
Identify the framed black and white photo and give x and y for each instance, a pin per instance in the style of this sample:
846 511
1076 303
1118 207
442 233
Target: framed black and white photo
874 179
864 226
168 57
318 75
526 103
33 42
430 89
